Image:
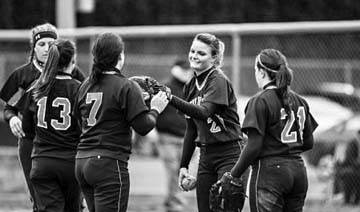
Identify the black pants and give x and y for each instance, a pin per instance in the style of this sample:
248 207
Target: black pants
278 184
56 188
25 146
104 182
215 160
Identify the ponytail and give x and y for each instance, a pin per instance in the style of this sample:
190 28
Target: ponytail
283 80
106 53
275 64
61 54
95 73
42 86
220 55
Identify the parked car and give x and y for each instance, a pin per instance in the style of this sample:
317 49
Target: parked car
343 93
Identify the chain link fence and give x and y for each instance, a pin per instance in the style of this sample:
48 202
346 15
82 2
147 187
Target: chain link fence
324 57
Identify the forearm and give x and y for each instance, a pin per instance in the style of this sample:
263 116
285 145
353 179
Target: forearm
144 122
308 143
195 111
188 146
249 154
9 112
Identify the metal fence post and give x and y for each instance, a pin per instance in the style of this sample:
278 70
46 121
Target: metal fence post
236 61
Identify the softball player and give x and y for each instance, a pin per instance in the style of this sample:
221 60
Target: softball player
279 126
108 105
57 133
212 119
22 124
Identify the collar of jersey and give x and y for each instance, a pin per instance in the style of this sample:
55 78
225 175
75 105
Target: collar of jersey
199 87
37 65
63 75
114 71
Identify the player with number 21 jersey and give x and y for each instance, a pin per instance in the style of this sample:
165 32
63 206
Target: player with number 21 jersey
283 133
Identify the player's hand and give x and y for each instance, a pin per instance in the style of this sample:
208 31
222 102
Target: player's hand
15 124
183 173
159 101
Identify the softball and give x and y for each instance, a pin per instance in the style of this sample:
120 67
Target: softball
188 183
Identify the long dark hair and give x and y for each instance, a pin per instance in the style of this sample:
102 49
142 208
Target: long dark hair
275 64
61 54
106 53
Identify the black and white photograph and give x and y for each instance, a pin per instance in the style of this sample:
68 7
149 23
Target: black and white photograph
179 106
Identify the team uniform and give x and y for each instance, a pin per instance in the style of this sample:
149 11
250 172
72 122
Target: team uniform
105 110
12 93
219 135
278 178
54 147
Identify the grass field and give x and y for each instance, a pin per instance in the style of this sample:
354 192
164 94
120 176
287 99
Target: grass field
145 194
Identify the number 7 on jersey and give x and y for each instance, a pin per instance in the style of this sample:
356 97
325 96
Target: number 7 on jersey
96 99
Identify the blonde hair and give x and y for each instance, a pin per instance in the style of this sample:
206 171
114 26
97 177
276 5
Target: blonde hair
216 45
40 31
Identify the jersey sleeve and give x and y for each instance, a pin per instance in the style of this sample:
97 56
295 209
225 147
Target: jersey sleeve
77 74
217 91
310 124
135 102
256 114
11 91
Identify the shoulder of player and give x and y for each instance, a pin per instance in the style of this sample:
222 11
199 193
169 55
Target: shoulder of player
218 76
24 70
73 82
300 99
262 97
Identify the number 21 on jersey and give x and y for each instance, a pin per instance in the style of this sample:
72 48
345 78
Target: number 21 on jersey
288 136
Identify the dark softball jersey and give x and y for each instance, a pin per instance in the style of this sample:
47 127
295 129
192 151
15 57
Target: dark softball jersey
224 125
14 89
105 110
57 131
284 135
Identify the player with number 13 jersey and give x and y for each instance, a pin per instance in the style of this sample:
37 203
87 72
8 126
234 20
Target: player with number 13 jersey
50 100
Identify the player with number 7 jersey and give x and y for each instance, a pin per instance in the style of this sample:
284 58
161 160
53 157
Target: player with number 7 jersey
108 107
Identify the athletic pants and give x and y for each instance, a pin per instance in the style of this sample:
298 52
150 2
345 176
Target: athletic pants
104 182
25 146
278 184
56 188
215 160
